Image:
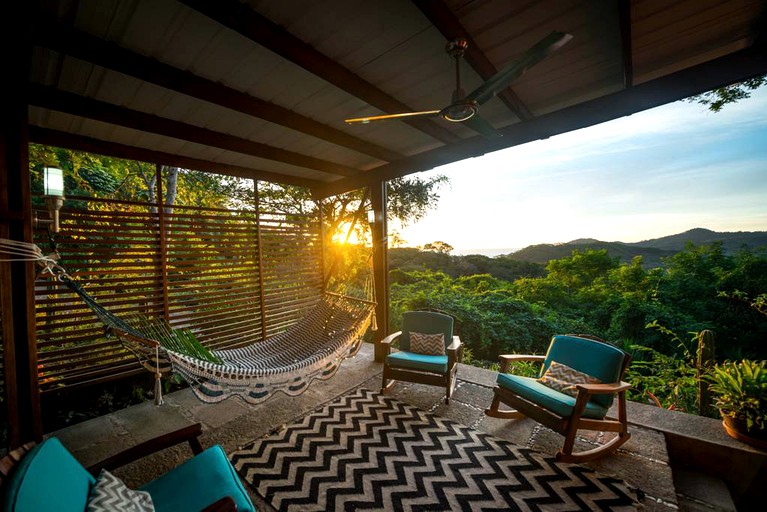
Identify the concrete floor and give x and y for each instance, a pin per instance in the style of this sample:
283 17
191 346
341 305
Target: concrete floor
643 462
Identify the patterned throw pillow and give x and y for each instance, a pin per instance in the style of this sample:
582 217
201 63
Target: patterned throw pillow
110 494
427 344
563 378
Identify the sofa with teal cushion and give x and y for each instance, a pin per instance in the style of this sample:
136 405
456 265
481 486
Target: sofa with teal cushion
46 477
595 369
412 366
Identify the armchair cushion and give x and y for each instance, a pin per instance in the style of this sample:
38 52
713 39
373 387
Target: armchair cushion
428 344
600 360
110 494
551 399
563 378
47 471
204 479
411 360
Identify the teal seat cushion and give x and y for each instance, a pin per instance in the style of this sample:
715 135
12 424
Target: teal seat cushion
198 482
591 357
552 400
413 361
48 478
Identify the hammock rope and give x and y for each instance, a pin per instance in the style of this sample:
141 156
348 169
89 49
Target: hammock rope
313 348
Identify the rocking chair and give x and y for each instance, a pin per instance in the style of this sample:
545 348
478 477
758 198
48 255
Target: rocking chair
578 382
414 364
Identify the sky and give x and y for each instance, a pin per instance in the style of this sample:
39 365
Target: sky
652 174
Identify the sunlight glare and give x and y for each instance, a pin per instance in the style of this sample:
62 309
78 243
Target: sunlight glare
339 237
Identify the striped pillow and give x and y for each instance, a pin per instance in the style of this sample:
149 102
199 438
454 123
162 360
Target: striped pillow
562 378
110 494
427 344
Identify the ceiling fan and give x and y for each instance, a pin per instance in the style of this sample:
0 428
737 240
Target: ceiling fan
464 108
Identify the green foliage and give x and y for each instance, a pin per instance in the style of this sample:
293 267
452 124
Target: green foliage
741 389
668 380
716 99
182 341
699 288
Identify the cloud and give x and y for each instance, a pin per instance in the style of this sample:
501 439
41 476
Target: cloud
651 174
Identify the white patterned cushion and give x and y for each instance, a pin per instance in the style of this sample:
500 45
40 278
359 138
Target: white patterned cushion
563 378
110 494
427 344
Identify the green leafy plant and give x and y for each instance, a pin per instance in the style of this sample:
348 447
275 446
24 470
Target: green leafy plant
741 389
182 341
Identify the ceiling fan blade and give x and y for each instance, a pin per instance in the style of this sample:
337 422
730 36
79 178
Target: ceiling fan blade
482 127
386 117
531 57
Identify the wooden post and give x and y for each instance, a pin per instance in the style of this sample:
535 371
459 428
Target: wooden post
380 266
163 243
17 279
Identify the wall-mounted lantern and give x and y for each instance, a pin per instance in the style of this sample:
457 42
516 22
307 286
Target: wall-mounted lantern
53 185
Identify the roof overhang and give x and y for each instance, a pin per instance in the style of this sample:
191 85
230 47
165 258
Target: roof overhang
260 89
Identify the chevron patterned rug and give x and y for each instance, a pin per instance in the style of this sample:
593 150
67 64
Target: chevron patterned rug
367 451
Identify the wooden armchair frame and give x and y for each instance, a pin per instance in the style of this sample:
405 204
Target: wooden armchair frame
447 380
189 434
567 426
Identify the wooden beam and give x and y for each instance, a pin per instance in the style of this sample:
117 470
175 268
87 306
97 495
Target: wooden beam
17 279
241 18
450 26
725 70
624 19
109 55
113 149
53 99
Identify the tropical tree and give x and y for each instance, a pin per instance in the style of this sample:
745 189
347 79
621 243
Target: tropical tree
716 99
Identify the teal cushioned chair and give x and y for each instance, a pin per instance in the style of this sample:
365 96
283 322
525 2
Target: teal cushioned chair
46 477
405 365
564 413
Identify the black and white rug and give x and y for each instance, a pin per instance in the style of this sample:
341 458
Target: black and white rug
367 451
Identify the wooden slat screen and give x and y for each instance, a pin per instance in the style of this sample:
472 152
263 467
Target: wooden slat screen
210 284
292 273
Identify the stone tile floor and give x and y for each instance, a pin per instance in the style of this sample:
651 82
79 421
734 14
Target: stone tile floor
643 462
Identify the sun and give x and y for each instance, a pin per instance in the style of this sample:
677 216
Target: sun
340 235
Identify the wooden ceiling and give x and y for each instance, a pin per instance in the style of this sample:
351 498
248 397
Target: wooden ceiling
260 88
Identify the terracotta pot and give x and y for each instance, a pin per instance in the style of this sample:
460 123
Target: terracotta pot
737 430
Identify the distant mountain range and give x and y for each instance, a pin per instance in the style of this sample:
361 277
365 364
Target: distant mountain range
651 250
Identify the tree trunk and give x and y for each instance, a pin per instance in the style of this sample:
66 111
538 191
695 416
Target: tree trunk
171 189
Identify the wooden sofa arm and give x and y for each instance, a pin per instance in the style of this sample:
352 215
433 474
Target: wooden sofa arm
507 359
454 352
387 342
603 389
225 504
188 434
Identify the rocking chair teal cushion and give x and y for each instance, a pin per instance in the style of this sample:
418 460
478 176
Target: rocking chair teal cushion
555 401
48 478
591 357
203 479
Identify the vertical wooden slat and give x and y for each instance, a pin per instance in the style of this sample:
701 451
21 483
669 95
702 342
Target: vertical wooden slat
260 258
163 242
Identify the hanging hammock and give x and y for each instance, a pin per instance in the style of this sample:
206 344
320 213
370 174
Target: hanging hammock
313 348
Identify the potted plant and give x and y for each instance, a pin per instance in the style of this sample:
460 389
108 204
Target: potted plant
741 391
